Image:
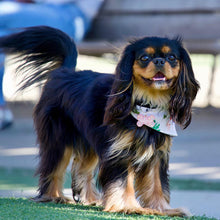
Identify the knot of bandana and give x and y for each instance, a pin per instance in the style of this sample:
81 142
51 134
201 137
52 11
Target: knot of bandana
155 118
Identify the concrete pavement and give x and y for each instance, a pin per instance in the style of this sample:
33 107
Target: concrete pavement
195 154
196 151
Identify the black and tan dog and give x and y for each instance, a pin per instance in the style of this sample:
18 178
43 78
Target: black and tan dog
120 125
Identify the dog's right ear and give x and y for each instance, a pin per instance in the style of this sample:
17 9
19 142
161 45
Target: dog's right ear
119 101
185 91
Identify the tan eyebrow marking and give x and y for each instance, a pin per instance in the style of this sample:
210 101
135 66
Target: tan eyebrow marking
165 49
150 50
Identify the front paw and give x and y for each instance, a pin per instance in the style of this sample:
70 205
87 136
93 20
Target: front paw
59 200
133 210
180 212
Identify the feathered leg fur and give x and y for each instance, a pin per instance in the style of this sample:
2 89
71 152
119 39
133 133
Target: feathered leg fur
56 148
83 182
152 183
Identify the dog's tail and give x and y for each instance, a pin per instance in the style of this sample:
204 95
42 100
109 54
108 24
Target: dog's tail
39 50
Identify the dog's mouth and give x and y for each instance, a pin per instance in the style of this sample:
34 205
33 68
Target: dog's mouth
159 77
158 81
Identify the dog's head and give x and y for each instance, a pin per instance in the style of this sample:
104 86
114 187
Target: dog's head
155 70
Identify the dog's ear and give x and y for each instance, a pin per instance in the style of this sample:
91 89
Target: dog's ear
185 90
119 101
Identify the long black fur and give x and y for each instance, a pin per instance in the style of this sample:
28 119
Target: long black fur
92 107
39 46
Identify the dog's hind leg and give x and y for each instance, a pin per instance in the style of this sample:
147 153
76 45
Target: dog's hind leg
83 182
51 183
56 135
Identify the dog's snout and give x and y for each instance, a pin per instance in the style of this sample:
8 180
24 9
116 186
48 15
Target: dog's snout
159 62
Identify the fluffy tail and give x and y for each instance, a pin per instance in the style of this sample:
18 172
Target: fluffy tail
40 50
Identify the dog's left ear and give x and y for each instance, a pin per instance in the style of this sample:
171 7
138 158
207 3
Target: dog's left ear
185 91
119 101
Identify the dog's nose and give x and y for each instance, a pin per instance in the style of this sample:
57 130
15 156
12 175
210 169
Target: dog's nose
159 62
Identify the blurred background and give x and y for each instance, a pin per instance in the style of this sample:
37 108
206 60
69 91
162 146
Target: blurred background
194 159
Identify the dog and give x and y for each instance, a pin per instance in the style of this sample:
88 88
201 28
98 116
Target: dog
117 125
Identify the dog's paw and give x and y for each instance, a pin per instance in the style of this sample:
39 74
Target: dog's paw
93 200
180 212
134 210
63 200
46 198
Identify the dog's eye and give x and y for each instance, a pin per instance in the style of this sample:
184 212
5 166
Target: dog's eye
145 58
171 57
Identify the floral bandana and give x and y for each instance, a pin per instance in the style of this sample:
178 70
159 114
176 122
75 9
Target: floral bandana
155 118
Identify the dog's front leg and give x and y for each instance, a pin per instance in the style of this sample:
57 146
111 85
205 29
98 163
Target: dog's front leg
118 190
152 186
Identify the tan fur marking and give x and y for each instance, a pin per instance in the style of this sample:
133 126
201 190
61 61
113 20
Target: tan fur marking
176 69
129 195
119 198
165 49
156 97
147 72
57 177
157 199
82 171
150 50
91 196
171 72
122 141
141 156
113 197
149 189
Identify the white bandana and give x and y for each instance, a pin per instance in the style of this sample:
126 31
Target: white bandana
155 118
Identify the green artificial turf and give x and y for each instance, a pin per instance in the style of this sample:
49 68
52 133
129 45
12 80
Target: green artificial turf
12 208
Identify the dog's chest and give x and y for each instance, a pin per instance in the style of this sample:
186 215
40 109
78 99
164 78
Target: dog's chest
139 146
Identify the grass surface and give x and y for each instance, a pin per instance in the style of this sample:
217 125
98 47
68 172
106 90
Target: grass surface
11 208
25 179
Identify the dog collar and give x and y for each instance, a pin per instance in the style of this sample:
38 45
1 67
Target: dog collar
155 118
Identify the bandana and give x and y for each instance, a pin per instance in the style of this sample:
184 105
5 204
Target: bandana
155 118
